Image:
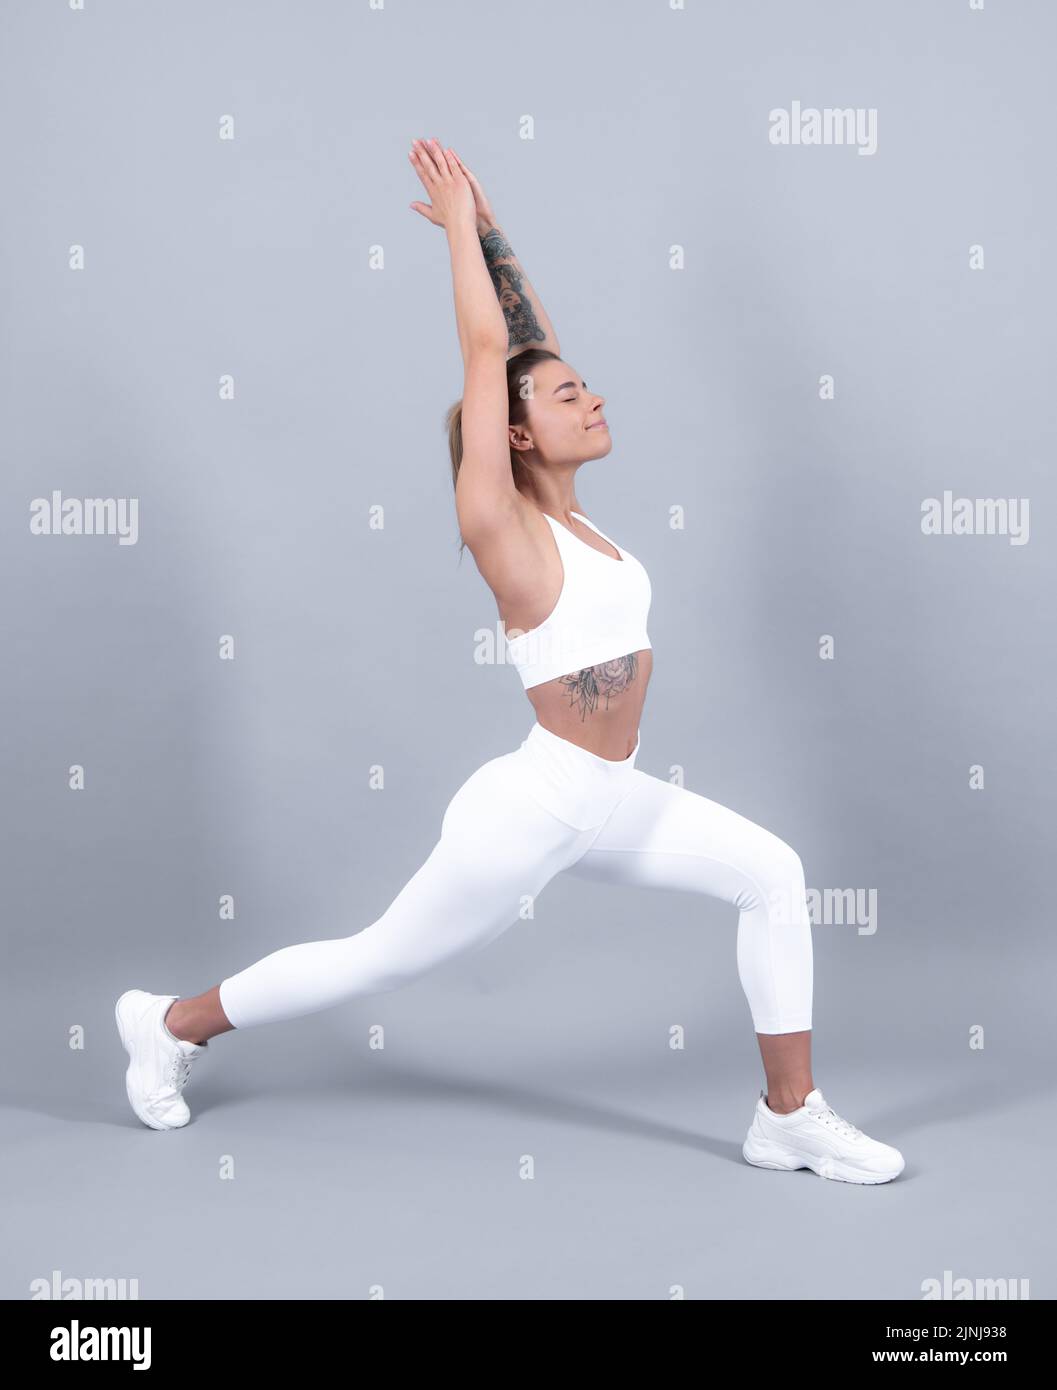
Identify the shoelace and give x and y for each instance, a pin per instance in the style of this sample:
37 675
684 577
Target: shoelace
181 1070
175 1079
829 1117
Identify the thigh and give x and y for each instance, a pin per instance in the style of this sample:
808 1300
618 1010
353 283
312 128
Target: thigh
497 851
494 823
666 836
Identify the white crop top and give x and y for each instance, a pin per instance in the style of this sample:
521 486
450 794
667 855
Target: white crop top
600 614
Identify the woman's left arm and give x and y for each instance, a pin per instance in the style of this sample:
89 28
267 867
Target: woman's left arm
526 319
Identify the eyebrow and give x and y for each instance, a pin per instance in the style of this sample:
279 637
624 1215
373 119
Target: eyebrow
565 384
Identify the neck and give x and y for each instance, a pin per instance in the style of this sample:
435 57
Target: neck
556 495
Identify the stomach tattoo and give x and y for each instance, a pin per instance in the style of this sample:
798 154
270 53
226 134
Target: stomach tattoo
584 689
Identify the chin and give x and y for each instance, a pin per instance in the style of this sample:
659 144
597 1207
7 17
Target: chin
601 443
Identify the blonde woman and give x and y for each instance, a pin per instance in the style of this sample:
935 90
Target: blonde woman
570 798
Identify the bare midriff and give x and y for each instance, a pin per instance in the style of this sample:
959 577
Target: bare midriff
597 708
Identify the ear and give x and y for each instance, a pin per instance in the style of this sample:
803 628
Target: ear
519 438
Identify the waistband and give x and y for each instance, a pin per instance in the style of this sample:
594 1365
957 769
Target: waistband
578 786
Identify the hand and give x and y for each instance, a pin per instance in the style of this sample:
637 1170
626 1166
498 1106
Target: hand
451 196
485 216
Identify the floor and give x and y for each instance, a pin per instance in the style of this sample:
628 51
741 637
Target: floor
473 1157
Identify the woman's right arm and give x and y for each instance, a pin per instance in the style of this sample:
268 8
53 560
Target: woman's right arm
485 496
478 315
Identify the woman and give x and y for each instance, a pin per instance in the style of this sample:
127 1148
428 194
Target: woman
570 798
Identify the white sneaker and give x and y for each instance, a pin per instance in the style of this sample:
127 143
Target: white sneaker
159 1062
816 1137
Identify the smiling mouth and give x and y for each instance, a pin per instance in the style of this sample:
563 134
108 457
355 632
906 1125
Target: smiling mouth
599 425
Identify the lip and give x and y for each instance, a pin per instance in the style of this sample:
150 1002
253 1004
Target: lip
598 425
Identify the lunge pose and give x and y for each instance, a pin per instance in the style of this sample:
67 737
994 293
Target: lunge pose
570 798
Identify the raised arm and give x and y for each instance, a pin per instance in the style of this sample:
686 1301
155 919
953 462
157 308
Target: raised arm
526 319
478 318
485 496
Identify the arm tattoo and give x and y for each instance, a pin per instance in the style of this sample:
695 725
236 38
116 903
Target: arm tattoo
496 247
521 322
585 687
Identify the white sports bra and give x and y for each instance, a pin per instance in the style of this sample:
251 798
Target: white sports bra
600 614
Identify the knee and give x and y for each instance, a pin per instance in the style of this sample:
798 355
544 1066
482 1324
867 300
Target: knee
781 880
791 863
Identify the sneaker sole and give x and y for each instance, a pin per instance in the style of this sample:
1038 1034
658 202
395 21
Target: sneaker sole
761 1153
136 1109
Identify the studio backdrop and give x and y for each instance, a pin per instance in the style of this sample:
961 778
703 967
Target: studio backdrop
805 252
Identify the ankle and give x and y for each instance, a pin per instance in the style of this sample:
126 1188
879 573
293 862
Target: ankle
174 1022
784 1099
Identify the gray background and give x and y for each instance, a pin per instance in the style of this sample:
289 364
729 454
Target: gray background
357 1168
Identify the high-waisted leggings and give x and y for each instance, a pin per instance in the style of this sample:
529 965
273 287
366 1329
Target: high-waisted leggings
545 808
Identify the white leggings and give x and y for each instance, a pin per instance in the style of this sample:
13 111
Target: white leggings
547 807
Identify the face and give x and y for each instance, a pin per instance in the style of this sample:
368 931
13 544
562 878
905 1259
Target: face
566 422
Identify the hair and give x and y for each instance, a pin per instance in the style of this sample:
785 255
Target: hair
517 412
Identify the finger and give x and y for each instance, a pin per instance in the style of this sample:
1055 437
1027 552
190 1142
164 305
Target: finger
425 163
475 187
424 166
468 172
435 155
457 174
424 209
419 168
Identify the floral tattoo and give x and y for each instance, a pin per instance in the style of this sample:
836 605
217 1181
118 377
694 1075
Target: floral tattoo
585 688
